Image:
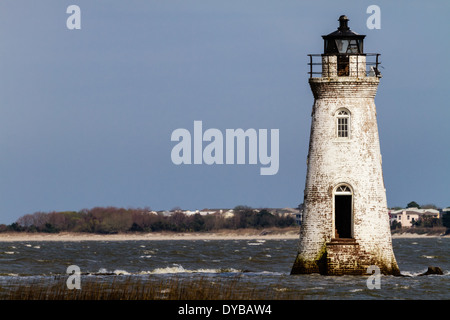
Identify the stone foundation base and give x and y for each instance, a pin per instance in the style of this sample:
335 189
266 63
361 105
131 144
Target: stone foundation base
342 257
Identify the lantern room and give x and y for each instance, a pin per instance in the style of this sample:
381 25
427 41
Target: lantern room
343 40
344 55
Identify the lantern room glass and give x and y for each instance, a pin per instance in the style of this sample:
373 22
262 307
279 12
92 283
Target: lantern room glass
348 45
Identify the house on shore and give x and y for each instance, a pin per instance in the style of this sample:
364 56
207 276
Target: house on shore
407 217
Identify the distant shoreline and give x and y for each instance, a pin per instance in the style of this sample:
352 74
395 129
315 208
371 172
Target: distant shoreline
241 234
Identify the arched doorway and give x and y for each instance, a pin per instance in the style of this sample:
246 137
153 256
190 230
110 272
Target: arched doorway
343 212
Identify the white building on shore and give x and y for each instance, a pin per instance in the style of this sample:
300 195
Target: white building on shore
408 216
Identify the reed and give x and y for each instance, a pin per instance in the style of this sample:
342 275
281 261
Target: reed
132 288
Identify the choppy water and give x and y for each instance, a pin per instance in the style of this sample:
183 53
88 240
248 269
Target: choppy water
260 263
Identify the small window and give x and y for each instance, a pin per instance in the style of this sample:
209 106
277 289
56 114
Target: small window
343 64
343 124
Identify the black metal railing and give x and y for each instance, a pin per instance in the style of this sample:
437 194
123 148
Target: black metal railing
371 69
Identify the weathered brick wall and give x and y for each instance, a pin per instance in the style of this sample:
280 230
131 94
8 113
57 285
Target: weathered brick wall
357 66
355 161
344 258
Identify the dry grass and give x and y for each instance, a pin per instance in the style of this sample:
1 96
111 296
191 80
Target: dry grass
129 288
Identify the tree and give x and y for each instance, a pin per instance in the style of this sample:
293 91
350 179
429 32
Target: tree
287 221
49 228
446 221
136 227
413 204
429 206
242 217
178 221
428 222
264 219
37 219
196 222
396 225
15 227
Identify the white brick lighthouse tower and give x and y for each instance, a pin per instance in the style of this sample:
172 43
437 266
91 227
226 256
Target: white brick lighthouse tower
345 226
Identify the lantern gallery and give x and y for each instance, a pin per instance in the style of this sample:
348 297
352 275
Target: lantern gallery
213 152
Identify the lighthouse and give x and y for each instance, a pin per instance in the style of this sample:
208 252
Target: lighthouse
345 227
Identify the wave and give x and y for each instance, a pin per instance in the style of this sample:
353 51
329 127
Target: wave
429 257
256 243
180 269
167 270
104 271
170 270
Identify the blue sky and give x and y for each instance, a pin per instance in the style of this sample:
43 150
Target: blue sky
86 115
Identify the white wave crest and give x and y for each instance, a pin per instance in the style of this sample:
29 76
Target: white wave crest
180 269
121 272
117 272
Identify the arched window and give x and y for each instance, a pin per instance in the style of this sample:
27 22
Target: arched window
343 124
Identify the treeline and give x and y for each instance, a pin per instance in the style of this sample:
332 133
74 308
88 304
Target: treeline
110 220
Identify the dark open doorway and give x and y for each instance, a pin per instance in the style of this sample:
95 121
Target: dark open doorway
343 216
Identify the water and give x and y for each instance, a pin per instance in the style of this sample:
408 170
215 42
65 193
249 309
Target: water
260 263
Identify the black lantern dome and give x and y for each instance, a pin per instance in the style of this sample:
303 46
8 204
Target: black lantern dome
343 40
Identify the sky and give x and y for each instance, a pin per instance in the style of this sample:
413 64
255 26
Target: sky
86 115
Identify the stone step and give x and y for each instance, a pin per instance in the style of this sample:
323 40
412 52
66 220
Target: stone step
342 241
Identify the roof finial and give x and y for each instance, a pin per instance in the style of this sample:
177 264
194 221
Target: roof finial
343 21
